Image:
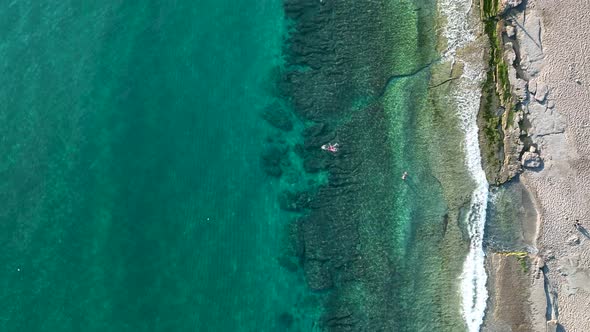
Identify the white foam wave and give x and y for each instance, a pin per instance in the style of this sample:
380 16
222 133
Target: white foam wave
467 97
457 30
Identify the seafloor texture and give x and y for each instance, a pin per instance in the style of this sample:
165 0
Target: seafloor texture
388 251
163 169
132 197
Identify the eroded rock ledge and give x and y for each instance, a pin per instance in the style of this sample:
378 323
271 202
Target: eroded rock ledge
504 96
517 114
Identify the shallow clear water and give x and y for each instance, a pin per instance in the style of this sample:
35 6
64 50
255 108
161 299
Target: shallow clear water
512 219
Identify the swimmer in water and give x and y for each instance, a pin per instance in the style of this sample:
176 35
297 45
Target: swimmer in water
405 176
330 147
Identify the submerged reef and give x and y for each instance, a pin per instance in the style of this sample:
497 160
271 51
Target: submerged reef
359 74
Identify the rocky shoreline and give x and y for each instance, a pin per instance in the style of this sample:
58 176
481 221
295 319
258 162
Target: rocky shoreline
544 143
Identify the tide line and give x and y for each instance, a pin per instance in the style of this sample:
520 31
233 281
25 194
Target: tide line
467 96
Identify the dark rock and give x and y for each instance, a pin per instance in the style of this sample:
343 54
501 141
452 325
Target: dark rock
295 201
445 223
317 275
286 320
315 130
316 161
316 136
278 117
289 263
573 240
340 317
299 150
271 160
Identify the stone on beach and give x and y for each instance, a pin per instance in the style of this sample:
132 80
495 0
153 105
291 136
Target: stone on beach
531 158
573 240
519 86
510 31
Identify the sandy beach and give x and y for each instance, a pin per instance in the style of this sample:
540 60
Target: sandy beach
553 52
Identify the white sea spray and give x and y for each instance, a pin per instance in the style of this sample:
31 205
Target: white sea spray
473 278
467 96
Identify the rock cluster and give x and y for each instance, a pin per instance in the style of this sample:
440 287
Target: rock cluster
539 120
531 158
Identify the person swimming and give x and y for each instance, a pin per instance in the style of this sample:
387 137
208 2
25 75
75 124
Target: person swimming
405 175
330 147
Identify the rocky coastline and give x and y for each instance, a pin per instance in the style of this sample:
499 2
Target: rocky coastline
535 102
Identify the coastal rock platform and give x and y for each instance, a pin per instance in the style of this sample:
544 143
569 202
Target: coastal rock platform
554 59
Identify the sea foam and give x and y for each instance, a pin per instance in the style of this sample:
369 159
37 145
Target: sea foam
467 96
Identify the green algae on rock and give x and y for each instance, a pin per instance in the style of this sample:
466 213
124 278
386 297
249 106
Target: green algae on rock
500 116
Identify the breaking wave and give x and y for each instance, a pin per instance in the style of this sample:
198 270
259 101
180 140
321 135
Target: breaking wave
459 33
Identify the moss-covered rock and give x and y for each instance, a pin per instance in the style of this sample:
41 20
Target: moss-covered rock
500 114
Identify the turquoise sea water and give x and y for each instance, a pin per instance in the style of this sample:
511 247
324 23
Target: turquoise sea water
142 189
132 196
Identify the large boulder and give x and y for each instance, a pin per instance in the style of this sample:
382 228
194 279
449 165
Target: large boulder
531 158
273 158
509 53
510 31
277 116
